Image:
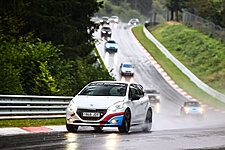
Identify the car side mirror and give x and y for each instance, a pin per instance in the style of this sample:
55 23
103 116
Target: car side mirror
135 97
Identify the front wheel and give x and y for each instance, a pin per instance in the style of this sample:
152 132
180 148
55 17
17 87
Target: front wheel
125 127
71 128
147 126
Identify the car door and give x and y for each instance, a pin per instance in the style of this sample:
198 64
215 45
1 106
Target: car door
144 102
136 105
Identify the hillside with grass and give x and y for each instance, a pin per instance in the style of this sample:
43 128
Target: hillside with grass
200 53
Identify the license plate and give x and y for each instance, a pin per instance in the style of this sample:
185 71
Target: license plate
91 114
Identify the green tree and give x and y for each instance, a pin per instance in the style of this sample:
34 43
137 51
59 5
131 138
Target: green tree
64 22
212 10
175 6
30 66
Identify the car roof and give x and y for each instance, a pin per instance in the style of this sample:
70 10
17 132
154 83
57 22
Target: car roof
134 19
128 63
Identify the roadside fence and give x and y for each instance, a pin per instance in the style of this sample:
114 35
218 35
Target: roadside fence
203 25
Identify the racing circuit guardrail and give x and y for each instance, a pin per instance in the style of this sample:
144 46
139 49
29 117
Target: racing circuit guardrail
186 71
23 106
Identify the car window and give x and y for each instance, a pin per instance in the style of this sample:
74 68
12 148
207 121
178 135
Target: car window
192 104
105 89
140 89
133 90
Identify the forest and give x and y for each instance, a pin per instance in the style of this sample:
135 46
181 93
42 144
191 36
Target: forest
46 47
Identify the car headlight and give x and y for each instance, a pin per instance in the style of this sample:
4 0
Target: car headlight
103 31
116 46
123 70
109 32
186 109
201 110
72 106
116 106
157 97
107 46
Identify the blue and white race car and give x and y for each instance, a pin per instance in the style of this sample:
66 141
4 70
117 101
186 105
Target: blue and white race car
192 108
111 45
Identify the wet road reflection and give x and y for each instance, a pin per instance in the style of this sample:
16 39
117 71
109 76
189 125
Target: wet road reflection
111 141
71 138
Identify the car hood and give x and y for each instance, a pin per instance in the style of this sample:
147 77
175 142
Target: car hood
96 102
111 44
127 69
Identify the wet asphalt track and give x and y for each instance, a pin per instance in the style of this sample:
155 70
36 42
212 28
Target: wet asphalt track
170 130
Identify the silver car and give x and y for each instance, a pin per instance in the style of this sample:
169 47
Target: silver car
126 69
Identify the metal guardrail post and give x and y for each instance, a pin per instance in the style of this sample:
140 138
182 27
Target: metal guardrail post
26 106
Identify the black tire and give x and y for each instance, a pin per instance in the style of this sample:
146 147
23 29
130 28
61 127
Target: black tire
147 126
98 129
71 128
125 127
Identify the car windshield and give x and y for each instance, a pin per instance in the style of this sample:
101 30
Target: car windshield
192 104
105 89
105 28
105 18
111 42
127 65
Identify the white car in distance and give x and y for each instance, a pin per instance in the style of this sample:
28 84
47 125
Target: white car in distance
109 104
114 19
126 69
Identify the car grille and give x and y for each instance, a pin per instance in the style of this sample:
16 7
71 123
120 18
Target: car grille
101 111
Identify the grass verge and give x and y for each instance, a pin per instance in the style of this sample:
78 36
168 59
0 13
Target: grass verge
182 80
99 58
31 122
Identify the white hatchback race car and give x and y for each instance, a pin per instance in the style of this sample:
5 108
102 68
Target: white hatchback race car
109 104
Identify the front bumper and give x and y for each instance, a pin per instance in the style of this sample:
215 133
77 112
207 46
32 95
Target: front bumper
127 74
109 120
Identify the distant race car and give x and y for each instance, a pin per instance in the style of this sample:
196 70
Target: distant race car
134 21
104 20
111 45
126 69
153 95
192 108
114 19
106 32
